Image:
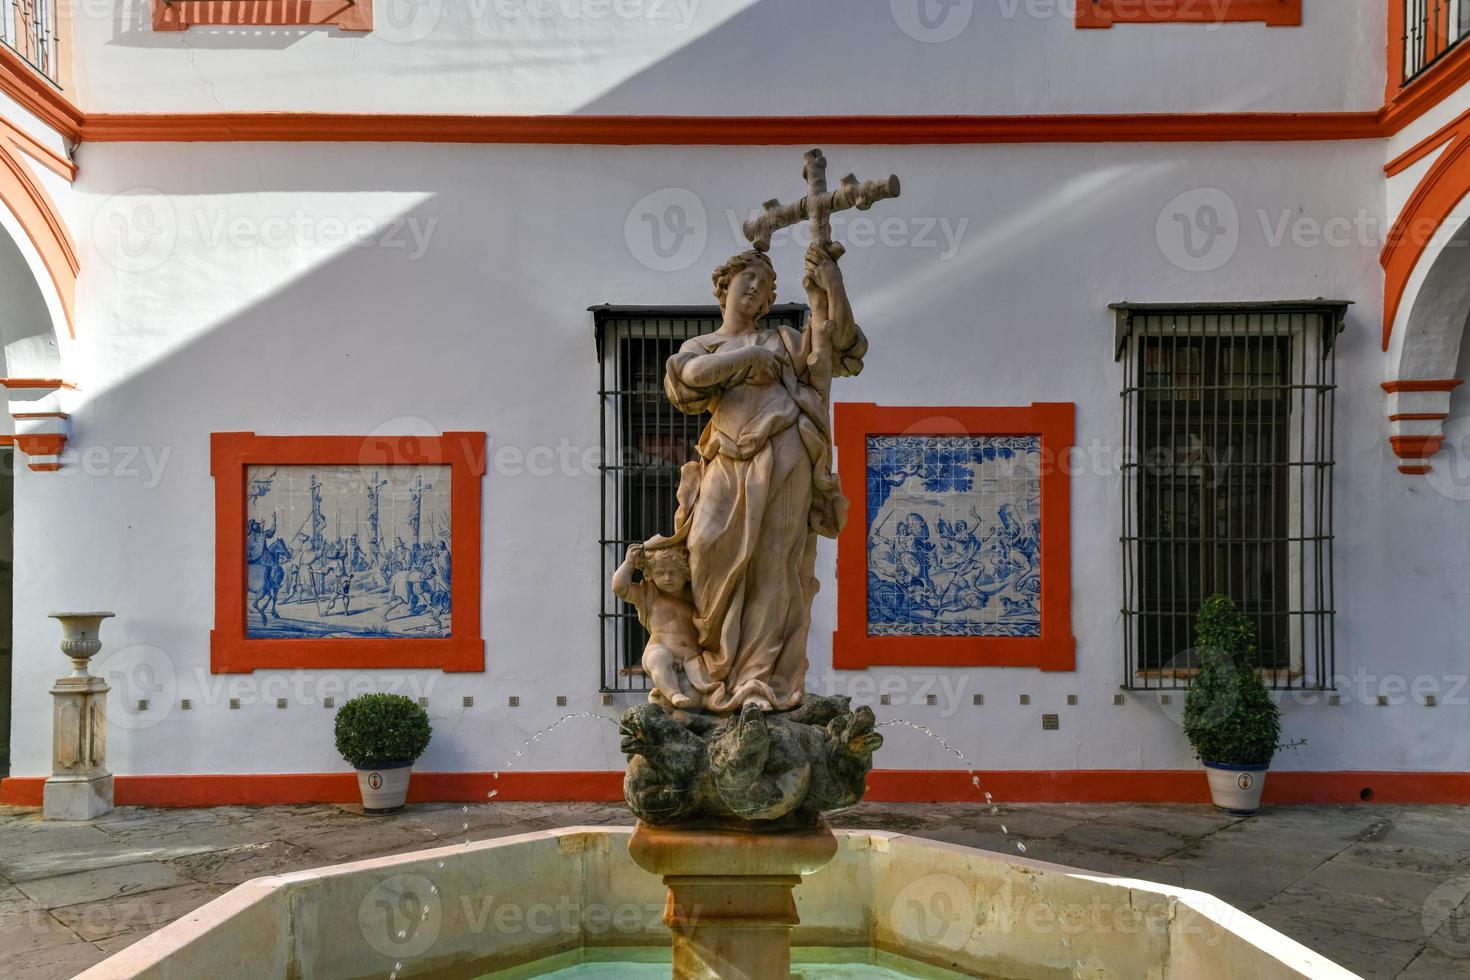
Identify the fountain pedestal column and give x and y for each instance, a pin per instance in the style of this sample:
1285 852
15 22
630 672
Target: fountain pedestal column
730 906
80 787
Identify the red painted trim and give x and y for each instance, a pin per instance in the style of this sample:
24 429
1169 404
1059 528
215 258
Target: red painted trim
33 208
38 95
1415 447
730 130
1405 104
19 383
884 786
180 15
1414 469
1436 196
1106 13
44 467
49 444
1055 649
1418 416
231 651
1448 384
40 415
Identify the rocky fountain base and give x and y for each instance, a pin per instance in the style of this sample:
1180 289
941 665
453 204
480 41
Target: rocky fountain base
730 816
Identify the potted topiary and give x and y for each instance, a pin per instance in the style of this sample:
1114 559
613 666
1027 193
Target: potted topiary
380 735
1229 716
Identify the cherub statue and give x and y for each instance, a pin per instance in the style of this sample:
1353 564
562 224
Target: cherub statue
666 609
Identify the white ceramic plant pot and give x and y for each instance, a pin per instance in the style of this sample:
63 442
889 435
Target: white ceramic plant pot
1236 788
384 788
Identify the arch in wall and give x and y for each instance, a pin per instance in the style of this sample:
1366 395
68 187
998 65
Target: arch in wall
1426 265
38 274
34 225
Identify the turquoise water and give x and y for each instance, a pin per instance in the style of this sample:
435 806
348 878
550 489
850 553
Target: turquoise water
648 963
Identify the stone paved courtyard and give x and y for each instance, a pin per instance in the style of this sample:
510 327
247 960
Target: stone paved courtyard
1351 882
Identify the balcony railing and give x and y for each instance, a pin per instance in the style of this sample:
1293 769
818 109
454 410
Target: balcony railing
28 27
1431 29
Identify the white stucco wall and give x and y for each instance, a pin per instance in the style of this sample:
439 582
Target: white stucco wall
237 317
786 57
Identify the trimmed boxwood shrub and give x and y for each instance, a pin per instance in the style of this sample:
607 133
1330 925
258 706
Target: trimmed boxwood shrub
374 729
1229 715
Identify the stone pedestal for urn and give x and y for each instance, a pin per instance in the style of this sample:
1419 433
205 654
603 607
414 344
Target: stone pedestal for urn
730 906
80 787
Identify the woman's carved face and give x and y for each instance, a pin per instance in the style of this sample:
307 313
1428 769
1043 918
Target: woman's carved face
748 291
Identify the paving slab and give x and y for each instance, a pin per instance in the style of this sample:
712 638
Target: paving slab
135 913
1371 957
100 884
1243 873
37 929
13 900
54 963
1356 910
1128 840
1432 964
235 865
1403 889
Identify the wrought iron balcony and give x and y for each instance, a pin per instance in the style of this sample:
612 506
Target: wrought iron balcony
28 27
1432 28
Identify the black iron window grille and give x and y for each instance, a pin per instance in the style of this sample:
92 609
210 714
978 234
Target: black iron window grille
1431 29
28 27
1227 483
644 442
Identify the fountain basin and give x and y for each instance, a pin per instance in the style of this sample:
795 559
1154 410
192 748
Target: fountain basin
546 901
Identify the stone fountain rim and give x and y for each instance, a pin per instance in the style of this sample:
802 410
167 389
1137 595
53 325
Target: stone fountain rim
148 957
81 615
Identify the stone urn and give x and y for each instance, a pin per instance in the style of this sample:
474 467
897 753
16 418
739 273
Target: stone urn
79 637
80 787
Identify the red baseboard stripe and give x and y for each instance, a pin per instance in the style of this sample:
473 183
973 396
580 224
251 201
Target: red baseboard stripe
884 786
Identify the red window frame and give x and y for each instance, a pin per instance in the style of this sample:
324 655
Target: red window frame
180 15
1055 648
231 651
1106 13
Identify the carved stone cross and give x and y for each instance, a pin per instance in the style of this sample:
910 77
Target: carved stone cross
818 205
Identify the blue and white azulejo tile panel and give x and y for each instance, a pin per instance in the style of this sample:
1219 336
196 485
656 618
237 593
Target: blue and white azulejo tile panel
954 535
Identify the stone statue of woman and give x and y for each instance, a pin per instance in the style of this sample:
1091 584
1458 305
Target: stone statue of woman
752 505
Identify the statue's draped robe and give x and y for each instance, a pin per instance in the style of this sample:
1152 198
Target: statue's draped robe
765 489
